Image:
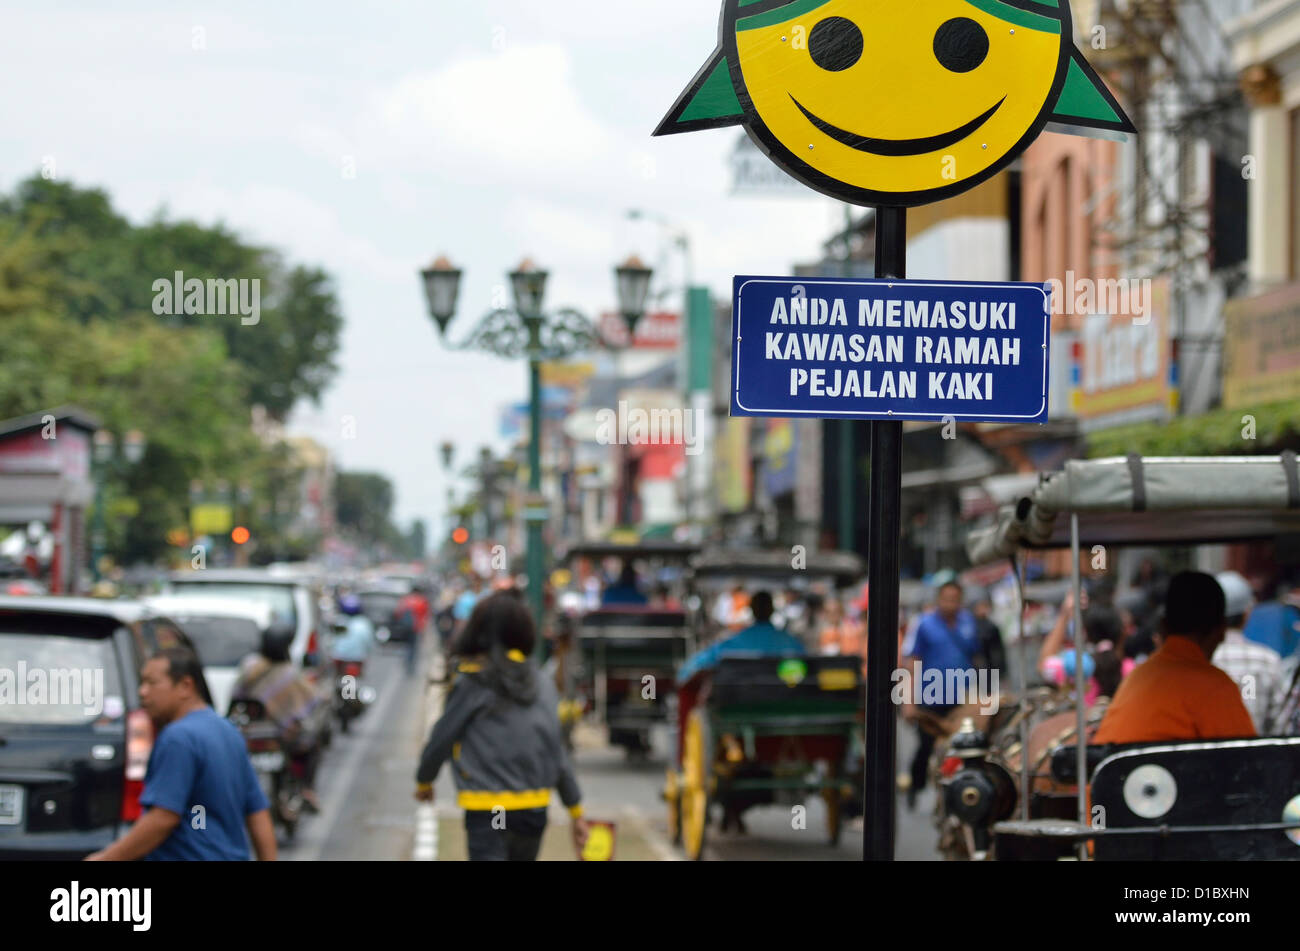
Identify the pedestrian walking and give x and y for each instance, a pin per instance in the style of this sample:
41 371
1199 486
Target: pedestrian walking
945 640
411 617
501 730
201 797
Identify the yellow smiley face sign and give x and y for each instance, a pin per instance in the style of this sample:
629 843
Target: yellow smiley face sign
896 102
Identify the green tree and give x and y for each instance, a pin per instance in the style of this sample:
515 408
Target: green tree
107 269
363 505
417 539
76 312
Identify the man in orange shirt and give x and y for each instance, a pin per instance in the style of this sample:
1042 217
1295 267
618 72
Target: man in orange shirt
1177 694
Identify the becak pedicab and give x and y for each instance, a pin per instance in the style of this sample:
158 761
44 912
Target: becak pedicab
627 654
753 728
1232 798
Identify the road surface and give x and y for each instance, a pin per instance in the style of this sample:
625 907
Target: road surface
367 777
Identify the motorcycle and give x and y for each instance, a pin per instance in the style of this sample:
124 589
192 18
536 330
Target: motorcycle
279 774
978 771
350 697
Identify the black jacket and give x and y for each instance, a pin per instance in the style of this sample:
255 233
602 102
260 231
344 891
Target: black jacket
500 728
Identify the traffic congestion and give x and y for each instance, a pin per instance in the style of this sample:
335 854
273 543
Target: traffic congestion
676 748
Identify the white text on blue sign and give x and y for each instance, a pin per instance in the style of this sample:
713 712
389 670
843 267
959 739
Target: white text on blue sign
893 349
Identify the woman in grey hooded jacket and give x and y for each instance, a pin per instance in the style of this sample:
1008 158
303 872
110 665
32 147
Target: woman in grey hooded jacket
501 730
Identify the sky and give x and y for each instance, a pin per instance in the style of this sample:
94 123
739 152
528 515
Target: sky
369 138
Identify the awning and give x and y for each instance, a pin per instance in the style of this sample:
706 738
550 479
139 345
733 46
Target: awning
1151 501
656 548
845 567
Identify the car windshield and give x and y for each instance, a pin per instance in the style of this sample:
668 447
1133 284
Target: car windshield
278 597
222 641
54 679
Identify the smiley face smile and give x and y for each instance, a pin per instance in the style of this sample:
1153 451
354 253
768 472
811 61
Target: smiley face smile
875 146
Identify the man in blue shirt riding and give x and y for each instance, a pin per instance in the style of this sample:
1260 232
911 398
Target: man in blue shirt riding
761 637
625 591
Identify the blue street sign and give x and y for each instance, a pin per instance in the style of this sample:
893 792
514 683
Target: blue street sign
834 348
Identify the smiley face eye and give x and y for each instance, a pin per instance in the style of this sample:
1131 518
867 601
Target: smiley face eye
835 44
960 45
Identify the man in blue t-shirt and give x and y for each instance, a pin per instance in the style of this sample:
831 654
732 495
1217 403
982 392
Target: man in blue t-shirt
200 792
947 639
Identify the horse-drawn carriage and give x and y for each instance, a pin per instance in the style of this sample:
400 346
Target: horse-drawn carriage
627 654
1198 799
753 728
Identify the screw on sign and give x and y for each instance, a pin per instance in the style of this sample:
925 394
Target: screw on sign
896 104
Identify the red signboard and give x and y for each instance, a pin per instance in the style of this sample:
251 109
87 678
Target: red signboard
659 330
67 453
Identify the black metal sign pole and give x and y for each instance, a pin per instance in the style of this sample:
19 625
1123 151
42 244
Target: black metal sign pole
882 579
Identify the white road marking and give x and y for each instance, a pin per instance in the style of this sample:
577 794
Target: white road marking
349 770
658 844
426 833
427 814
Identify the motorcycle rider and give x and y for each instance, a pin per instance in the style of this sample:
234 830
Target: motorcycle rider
356 643
291 702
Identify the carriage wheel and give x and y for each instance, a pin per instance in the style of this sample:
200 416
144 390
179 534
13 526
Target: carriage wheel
694 793
672 795
834 797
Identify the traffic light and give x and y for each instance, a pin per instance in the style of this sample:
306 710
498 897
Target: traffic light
461 535
239 535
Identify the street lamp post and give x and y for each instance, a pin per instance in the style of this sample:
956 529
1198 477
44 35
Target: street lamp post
447 450
530 332
104 456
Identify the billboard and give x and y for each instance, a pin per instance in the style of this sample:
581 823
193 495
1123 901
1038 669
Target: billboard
1122 365
780 457
1261 348
657 330
734 474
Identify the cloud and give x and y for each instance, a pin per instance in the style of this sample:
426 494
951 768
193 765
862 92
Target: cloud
516 112
527 132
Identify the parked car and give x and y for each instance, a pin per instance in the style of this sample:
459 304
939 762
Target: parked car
291 598
224 629
71 773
